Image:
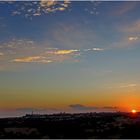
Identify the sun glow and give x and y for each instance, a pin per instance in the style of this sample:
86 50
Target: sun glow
133 111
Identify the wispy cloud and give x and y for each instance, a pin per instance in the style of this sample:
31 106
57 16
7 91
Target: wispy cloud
125 42
130 38
133 27
75 35
127 85
124 85
49 56
28 51
55 55
17 45
22 50
1 54
125 7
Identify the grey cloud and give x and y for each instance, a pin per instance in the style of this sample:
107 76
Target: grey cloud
82 107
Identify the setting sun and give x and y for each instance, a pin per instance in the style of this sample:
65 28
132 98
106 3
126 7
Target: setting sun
133 111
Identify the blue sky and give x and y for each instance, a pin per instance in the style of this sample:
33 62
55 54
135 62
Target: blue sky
57 54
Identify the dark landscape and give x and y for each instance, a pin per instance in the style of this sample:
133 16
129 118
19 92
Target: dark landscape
63 125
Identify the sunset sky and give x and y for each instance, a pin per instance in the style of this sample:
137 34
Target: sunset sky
69 56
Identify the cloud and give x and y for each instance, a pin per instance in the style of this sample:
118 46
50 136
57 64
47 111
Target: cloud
45 3
93 49
41 7
14 13
17 45
97 49
82 107
134 27
33 59
1 54
39 59
127 85
53 3
49 56
61 52
91 108
53 6
125 7
31 9
16 51
23 50
124 85
131 35
133 38
28 59
75 36
93 10
126 42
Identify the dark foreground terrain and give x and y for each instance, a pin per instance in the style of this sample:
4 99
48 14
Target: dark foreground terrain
87 125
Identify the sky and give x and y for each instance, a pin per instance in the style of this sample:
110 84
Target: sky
69 56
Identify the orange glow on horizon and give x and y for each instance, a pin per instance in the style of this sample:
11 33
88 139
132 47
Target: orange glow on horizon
133 111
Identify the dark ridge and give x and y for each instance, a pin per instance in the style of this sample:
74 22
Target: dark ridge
71 126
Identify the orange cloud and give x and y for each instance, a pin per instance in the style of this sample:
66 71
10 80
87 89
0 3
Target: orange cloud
48 3
29 59
53 5
61 52
49 56
37 8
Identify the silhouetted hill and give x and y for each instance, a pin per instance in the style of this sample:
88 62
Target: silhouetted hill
63 125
